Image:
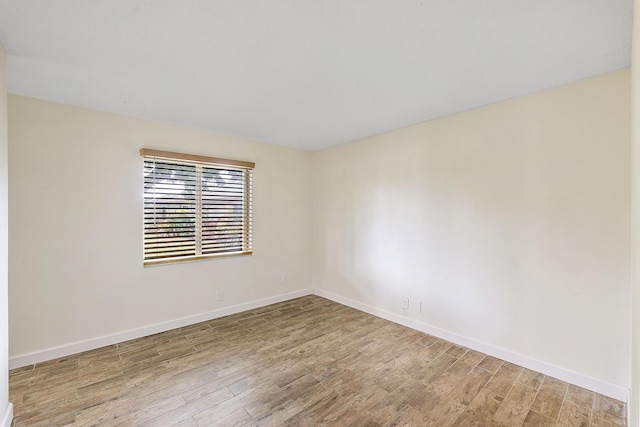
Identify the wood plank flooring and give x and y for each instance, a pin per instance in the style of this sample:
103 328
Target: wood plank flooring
304 362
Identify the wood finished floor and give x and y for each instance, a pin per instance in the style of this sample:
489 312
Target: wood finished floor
304 362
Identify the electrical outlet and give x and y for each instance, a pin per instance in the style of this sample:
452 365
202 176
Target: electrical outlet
219 296
417 306
283 279
405 303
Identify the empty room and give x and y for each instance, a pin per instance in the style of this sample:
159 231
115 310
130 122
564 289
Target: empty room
305 213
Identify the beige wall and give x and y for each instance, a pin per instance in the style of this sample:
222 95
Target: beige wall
75 251
510 223
5 409
634 400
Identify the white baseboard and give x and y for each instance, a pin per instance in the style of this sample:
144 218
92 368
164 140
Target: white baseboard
612 390
91 344
630 406
8 416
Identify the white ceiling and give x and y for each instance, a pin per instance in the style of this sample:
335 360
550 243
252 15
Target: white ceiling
307 74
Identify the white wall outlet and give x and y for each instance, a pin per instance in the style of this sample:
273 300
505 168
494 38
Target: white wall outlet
219 296
417 306
283 279
405 303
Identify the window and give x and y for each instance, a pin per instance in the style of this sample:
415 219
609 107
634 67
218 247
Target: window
195 207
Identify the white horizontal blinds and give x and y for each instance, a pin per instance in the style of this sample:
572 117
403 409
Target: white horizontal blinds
248 213
195 209
170 206
225 210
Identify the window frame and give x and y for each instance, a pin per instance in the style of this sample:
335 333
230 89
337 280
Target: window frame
201 163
